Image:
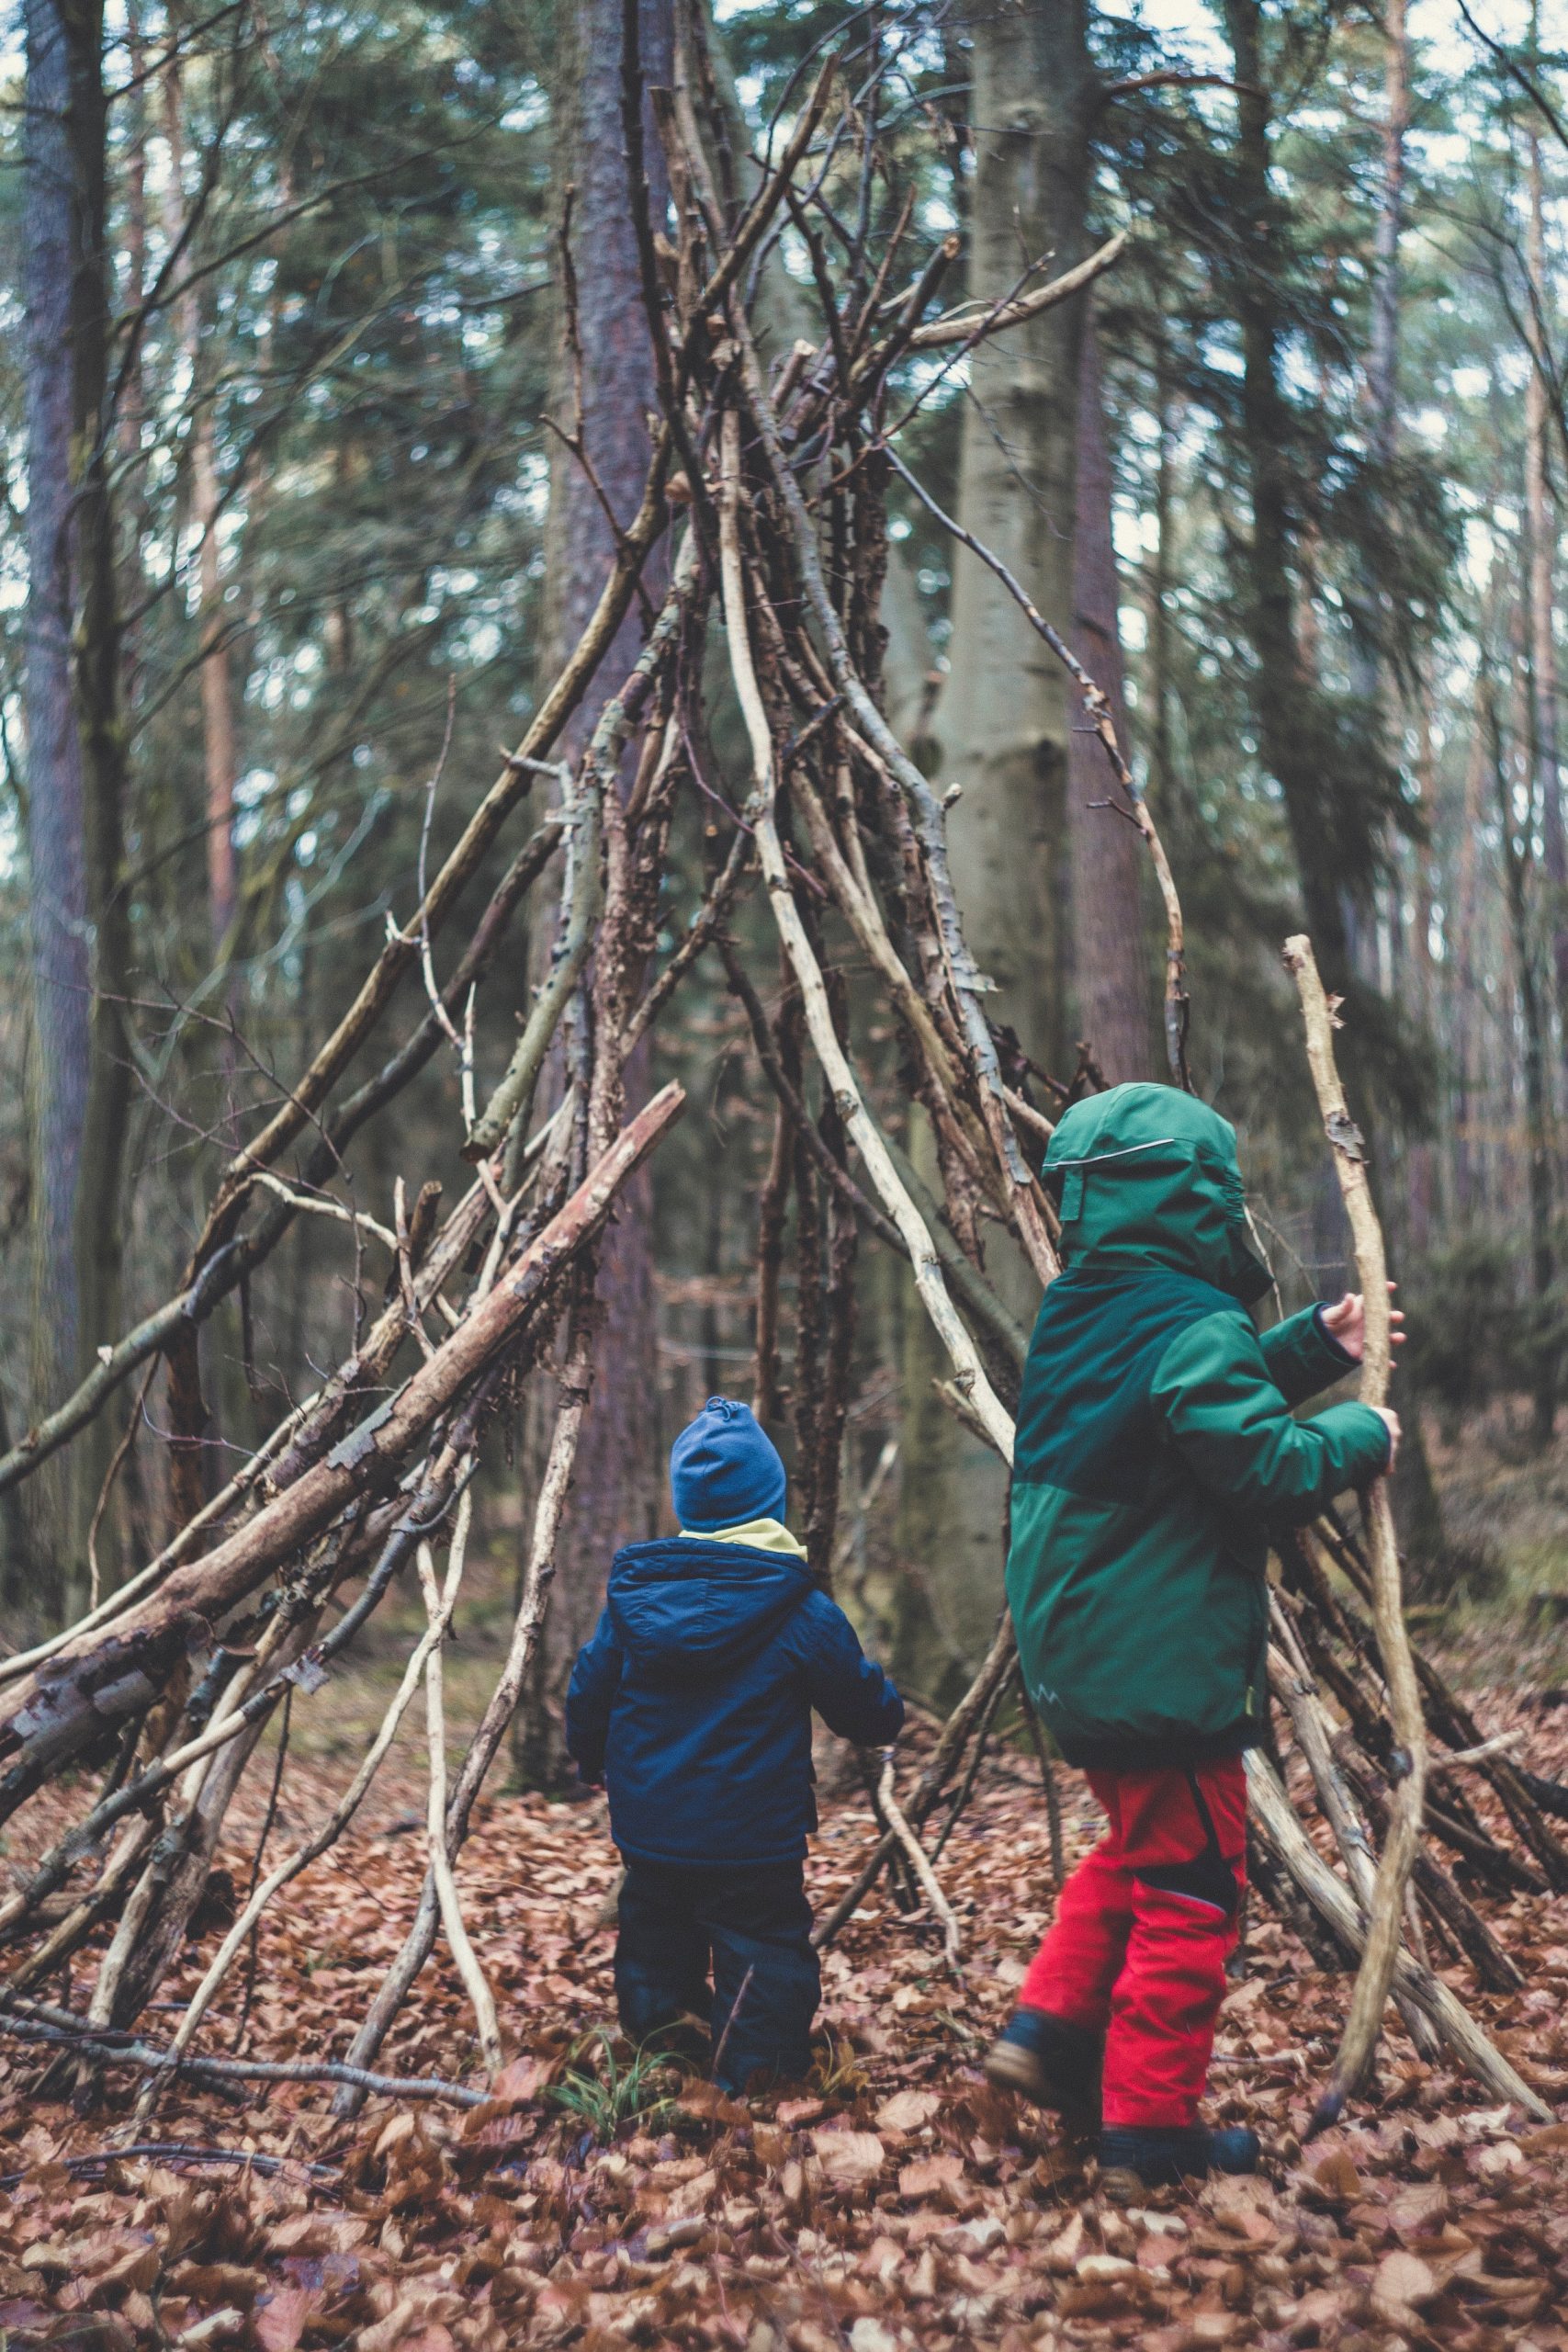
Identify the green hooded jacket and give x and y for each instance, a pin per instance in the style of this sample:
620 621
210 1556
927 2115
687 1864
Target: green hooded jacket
1155 1442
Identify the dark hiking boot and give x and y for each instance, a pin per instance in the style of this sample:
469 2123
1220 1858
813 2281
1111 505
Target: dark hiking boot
1053 2063
1135 2158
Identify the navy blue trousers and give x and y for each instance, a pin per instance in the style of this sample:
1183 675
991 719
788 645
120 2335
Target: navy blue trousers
751 1925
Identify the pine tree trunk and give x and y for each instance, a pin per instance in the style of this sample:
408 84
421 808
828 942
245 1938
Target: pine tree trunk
616 1490
1282 699
61 974
75 759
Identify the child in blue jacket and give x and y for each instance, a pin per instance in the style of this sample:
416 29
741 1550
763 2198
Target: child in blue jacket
692 1703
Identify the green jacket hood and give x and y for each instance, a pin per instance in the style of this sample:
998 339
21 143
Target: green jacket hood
1149 1176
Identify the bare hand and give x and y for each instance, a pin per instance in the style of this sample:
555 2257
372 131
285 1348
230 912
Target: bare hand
1391 1418
1348 1324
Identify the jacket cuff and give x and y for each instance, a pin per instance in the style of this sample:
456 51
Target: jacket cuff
1302 1357
1363 1440
1340 1355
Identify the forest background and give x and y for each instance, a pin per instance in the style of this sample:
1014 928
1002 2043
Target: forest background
305 372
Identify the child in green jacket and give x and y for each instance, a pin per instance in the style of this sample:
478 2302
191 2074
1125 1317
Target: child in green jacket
1155 1442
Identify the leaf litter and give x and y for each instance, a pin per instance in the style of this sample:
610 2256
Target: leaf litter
600 2197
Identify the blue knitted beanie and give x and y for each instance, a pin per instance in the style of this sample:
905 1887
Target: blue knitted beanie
725 1469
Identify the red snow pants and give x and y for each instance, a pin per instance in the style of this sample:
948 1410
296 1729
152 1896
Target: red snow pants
1142 1931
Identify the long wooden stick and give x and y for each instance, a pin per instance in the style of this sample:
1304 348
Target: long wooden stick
859 1129
41 2023
1333 1901
1297 1693
327 1832
1386 1921
420 1941
438 1613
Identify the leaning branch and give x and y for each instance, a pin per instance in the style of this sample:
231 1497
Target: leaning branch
859 1129
938 332
920 1862
1097 707
1333 1901
86 1689
1386 1920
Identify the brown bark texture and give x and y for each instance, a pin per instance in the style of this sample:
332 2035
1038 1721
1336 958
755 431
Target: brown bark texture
80 1067
606 380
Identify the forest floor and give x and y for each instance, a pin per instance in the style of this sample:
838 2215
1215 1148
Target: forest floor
891 2201
1505 1513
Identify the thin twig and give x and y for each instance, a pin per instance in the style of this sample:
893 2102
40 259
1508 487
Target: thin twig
438 1613
920 1862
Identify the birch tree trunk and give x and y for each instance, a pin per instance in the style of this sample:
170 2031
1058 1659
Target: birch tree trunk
1002 730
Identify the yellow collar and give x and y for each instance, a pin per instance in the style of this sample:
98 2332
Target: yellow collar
761 1534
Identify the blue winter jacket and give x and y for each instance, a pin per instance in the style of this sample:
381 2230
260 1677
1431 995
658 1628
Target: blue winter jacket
693 1702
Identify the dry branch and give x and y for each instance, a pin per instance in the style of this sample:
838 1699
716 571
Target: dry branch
438 1604
1296 1691
91 1684
63 2030
1331 1898
1386 1923
920 1862
858 1128
420 1941
957 328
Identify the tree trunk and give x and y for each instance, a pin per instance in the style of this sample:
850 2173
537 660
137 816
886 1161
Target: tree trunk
1110 992
1002 730
219 760
1382 411
75 754
1540 524
220 751
615 1493
1469 1153
1161 575
1516 848
1290 741
1003 725
1382 349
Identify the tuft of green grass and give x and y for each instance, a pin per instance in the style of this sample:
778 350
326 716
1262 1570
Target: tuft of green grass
607 2094
836 2071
